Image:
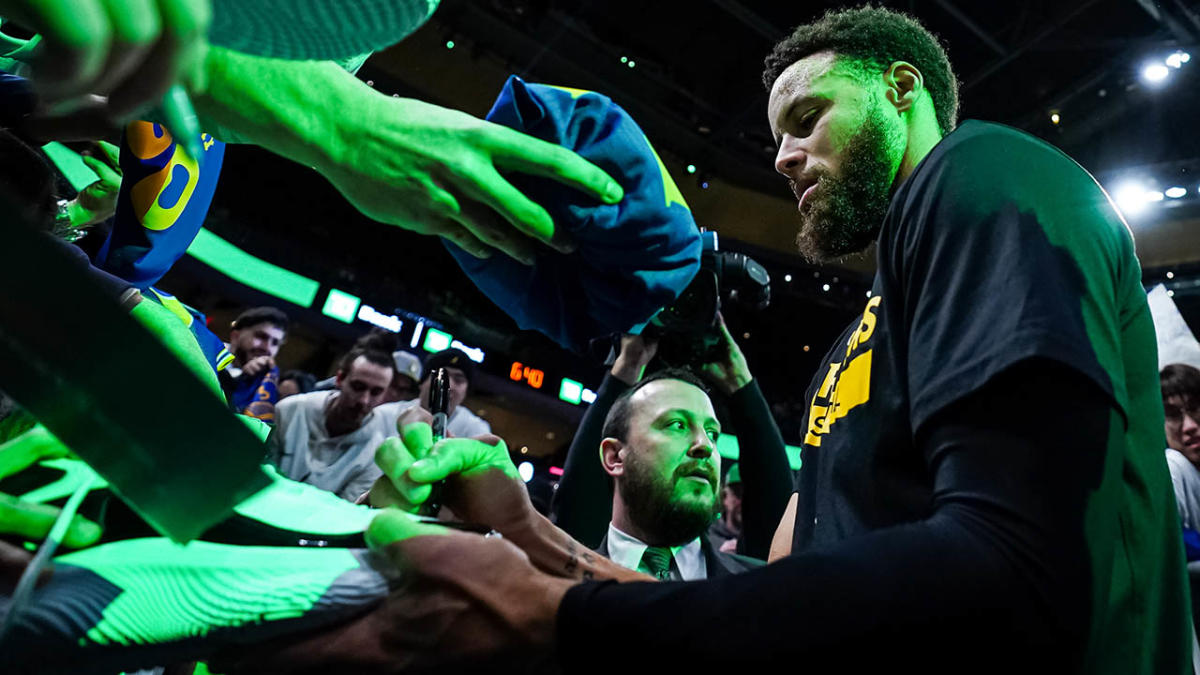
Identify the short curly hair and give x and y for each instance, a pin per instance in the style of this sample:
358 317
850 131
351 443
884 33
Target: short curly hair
873 38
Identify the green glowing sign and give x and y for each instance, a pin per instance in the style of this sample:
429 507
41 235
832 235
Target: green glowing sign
256 273
341 305
570 390
727 447
436 340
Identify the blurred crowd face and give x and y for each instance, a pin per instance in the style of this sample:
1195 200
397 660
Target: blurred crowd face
263 339
671 470
288 388
732 507
458 389
402 388
359 390
1183 427
840 145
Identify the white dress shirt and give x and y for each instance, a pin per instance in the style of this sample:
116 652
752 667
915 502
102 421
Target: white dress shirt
627 551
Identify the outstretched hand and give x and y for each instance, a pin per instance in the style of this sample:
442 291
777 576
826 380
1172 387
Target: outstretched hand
482 485
27 519
729 372
438 171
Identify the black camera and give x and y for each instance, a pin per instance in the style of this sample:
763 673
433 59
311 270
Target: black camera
687 330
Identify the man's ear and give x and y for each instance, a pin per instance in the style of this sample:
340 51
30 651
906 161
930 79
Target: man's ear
904 85
611 456
337 382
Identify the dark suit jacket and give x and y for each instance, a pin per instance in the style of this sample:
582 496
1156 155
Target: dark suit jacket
717 563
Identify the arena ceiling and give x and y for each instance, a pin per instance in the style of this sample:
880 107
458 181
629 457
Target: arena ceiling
689 73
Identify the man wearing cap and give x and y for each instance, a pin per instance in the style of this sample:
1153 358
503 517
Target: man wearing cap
406 382
461 422
251 381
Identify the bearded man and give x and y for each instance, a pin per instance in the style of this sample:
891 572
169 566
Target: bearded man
983 487
659 446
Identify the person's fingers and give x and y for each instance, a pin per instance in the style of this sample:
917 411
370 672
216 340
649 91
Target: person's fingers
494 192
488 228
418 437
82 532
465 240
111 155
33 521
460 455
107 177
519 152
412 415
184 26
75 39
135 27
393 525
32 446
394 459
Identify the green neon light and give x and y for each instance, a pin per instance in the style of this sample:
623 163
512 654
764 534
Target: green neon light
254 272
727 447
570 391
341 305
436 340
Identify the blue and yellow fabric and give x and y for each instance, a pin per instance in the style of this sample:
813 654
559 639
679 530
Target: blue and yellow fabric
213 347
164 199
634 258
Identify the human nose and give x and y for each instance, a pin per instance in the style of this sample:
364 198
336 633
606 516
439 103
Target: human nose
791 157
1189 424
702 445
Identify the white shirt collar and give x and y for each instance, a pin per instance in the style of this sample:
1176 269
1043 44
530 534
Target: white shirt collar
627 550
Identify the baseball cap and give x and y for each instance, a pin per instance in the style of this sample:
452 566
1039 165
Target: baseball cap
407 364
450 358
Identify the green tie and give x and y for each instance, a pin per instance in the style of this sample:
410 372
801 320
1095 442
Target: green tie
658 561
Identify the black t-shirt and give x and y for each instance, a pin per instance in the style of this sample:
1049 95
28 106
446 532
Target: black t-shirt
996 250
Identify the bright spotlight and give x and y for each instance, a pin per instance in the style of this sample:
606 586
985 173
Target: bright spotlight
1152 196
1155 72
525 469
1129 198
1178 59
1176 192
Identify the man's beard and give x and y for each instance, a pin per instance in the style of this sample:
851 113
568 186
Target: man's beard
844 212
651 505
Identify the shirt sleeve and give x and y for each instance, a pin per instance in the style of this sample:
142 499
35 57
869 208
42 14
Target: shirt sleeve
1005 250
998 569
766 474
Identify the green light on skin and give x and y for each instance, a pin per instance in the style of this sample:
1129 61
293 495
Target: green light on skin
254 272
341 305
436 340
570 391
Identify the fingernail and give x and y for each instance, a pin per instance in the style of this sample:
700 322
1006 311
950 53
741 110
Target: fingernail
614 193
